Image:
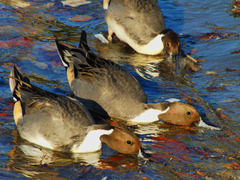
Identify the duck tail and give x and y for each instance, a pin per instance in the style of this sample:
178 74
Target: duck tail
105 4
84 48
73 55
16 82
83 42
22 89
64 53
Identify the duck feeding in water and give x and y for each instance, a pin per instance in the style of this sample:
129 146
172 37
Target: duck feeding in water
117 91
62 123
140 24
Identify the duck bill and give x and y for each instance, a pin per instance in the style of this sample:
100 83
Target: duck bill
173 60
142 154
173 57
204 125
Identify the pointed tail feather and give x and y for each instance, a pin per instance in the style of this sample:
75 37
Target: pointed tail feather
73 55
16 81
63 52
83 42
12 85
69 54
79 57
22 89
105 4
83 38
83 45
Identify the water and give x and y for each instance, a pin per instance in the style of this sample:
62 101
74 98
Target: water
179 152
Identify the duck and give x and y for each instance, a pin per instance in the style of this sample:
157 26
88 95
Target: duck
140 24
62 123
115 90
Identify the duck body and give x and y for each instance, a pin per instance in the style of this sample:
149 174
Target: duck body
61 123
107 87
140 24
102 81
115 90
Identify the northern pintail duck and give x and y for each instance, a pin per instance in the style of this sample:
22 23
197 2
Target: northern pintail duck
140 24
62 123
113 88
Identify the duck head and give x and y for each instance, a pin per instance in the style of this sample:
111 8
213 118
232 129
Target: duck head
176 113
123 141
180 114
171 42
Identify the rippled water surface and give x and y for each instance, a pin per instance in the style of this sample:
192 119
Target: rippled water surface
208 30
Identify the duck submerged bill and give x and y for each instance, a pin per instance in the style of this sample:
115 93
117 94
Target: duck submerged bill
203 124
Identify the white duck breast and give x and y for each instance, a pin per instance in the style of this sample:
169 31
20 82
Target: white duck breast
153 46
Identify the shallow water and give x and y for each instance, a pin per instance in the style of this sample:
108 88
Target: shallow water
208 29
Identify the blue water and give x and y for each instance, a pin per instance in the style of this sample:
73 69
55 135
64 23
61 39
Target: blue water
180 152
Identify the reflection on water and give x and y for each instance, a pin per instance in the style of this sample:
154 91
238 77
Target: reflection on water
34 162
208 31
37 162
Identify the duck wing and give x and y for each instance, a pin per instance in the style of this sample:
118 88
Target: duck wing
101 80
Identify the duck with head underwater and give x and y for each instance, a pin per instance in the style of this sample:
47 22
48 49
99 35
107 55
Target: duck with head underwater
115 90
140 24
62 123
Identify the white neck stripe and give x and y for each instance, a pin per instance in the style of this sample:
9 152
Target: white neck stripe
149 115
92 142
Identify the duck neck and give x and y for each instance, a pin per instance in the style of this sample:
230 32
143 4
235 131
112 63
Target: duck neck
91 142
155 46
149 115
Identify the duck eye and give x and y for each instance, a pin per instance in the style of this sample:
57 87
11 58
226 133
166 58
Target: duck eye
168 45
129 142
188 113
